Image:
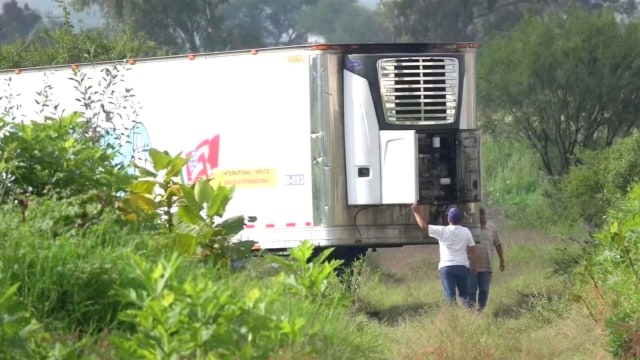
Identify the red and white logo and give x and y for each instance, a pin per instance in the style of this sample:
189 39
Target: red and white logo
202 160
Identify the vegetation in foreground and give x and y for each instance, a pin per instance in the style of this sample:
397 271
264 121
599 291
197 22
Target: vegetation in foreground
112 294
108 277
529 310
87 273
103 270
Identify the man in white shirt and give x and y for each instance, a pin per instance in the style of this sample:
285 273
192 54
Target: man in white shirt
456 248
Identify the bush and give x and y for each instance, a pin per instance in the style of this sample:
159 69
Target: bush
21 337
17 330
66 279
602 180
511 178
62 44
234 317
612 273
58 158
514 182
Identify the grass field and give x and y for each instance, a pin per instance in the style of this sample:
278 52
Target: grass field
528 315
70 286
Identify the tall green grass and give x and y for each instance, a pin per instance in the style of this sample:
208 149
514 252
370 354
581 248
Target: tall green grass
79 285
514 183
73 280
65 280
512 175
530 314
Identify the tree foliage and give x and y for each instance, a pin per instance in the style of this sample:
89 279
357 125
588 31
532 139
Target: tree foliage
602 180
188 25
473 20
342 21
563 82
208 25
282 21
454 20
65 45
16 21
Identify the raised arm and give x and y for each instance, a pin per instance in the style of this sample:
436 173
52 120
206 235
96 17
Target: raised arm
424 225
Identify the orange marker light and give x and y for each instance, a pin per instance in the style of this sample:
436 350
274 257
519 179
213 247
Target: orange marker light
319 47
74 67
18 71
132 61
191 56
254 52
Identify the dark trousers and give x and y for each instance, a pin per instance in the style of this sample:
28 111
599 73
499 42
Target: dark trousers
479 288
455 277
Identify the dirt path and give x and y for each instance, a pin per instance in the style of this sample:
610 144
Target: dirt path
399 260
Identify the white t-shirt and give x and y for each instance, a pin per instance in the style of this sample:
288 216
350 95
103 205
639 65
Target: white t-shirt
454 240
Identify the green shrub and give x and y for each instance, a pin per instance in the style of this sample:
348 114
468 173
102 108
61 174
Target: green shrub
17 330
58 157
613 272
21 337
60 45
514 182
511 178
602 181
227 318
66 279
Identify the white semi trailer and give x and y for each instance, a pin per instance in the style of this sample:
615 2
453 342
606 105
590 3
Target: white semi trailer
327 143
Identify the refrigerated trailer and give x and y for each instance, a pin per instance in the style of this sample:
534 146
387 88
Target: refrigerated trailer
327 143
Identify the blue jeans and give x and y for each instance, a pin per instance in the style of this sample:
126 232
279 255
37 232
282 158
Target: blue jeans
479 288
455 276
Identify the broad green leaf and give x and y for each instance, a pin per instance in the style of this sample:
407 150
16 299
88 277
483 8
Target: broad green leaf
175 166
195 230
204 192
142 202
186 243
241 249
127 210
144 172
160 159
219 202
189 215
216 232
130 216
189 196
144 187
232 226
